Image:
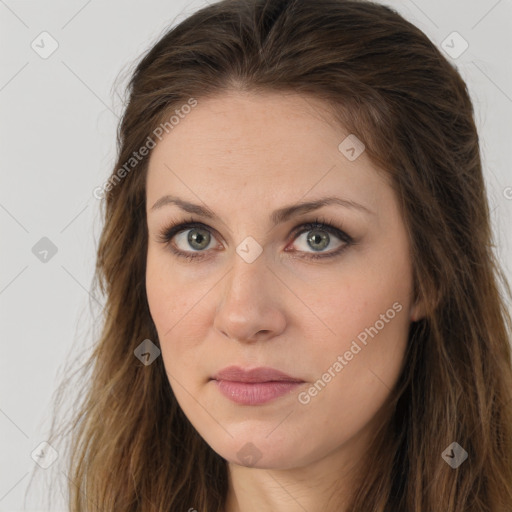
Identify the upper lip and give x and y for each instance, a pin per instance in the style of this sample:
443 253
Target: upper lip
261 374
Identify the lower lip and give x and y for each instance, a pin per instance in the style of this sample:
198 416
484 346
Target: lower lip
254 393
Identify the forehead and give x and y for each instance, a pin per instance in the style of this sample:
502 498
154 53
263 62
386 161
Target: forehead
248 147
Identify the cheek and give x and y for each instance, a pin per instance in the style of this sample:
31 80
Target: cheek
367 311
175 305
161 299
368 328
170 295
357 366
166 305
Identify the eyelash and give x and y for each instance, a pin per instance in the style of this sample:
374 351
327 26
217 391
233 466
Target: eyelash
174 228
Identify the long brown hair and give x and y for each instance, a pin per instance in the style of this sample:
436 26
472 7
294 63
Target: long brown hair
132 447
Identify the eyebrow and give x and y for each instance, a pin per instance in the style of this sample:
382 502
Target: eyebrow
278 216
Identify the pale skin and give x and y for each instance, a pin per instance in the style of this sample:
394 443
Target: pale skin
244 156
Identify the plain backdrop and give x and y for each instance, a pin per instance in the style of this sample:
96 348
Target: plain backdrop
58 120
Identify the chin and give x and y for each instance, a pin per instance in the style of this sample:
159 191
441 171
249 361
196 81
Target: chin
260 451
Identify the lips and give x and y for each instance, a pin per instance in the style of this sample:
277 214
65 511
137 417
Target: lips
261 374
255 386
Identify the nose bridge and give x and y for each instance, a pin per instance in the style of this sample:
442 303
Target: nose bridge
245 282
248 304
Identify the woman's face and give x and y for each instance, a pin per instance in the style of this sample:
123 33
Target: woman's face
331 309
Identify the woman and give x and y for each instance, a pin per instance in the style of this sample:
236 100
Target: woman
302 301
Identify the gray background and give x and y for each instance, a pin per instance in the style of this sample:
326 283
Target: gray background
57 143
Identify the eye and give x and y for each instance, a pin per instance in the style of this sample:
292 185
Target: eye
198 237
187 235
319 237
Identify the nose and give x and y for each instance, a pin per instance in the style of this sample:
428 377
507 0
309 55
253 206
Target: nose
251 303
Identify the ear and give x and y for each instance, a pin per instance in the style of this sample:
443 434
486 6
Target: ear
417 311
